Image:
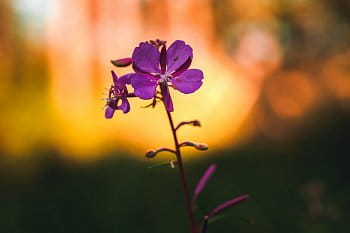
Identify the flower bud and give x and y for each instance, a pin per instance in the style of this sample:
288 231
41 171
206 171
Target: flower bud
151 154
196 123
157 43
198 146
201 146
193 123
123 62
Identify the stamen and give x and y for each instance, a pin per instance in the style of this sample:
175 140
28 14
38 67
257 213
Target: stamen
165 77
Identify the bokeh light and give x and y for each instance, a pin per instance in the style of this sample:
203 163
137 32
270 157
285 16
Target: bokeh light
274 109
270 52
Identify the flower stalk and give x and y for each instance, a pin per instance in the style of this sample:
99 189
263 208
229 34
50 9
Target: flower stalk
156 69
184 186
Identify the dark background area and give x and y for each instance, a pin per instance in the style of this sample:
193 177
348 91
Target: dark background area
300 187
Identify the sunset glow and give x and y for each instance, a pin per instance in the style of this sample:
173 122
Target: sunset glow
221 105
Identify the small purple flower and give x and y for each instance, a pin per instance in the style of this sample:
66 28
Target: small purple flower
118 92
169 66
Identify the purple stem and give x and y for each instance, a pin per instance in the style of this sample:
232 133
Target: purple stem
189 210
204 226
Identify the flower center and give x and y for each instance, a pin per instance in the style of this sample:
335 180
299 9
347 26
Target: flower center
117 92
165 77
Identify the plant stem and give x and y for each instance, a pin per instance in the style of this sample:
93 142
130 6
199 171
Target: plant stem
182 175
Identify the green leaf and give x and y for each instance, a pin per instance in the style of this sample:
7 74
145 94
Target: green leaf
223 216
161 165
218 217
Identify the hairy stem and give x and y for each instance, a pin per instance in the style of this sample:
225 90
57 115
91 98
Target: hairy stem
182 175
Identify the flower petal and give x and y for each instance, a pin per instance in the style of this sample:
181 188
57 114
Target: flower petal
109 112
166 97
189 81
183 68
177 54
138 70
125 106
146 58
145 85
115 78
125 79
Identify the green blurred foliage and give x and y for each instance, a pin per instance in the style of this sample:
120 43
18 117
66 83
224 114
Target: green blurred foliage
303 187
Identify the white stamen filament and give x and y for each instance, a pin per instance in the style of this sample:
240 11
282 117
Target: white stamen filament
165 77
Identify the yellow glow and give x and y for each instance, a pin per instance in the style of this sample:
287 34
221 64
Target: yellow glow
54 73
79 53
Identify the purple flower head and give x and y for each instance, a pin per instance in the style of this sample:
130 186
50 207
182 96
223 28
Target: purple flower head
169 67
117 96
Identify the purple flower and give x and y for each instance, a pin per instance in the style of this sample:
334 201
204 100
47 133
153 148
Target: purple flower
169 66
118 92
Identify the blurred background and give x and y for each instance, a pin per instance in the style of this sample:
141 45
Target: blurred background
275 110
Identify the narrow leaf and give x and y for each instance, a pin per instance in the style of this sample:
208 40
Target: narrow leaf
170 164
218 217
228 204
202 182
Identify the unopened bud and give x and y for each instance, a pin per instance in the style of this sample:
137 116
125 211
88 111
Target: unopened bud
201 146
198 146
193 123
196 123
157 43
151 154
123 62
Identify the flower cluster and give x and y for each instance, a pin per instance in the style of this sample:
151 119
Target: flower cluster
118 93
154 65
